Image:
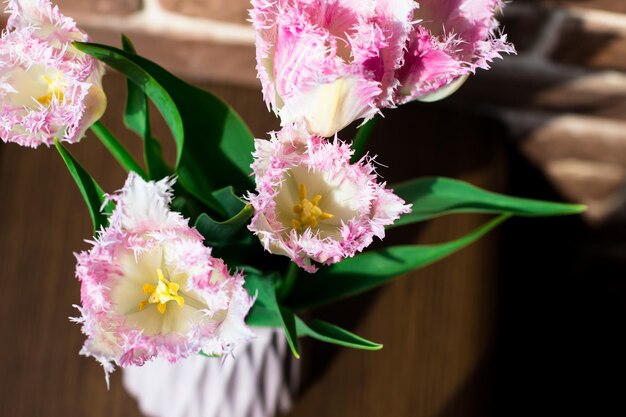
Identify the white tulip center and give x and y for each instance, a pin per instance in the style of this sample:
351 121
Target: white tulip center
162 293
319 201
168 307
308 213
36 84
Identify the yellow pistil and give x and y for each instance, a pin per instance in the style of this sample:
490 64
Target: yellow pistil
309 214
163 292
55 88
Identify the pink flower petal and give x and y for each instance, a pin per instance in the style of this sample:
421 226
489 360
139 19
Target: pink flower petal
145 237
353 206
48 89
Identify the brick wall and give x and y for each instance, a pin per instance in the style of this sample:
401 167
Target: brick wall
203 40
563 96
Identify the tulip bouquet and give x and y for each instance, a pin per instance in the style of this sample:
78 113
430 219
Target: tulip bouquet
243 232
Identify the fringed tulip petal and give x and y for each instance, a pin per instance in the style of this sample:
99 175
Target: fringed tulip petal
450 40
149 287
329 62
311 204
48 89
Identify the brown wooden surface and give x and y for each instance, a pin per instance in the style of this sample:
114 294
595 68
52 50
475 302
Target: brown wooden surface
437 325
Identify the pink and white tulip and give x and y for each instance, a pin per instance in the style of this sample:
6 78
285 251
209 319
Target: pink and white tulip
150 288
329 62
450 40
48 88
312 204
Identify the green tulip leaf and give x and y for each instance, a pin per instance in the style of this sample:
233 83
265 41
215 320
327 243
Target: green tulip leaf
264 289
260 316
137 119
330 333
113 145
434 197
214 146
229 201
220 234
92 193
372 269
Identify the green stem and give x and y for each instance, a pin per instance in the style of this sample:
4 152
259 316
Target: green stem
118 151
290 279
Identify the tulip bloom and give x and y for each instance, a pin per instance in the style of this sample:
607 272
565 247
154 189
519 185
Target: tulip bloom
48 89
312 204
450 40
329 62
149 287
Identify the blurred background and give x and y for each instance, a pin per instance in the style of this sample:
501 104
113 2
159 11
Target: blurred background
526 321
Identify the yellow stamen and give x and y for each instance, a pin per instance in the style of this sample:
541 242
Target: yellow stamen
164 292
55 88
309 214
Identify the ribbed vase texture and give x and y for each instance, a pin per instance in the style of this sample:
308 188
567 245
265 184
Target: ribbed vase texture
259 380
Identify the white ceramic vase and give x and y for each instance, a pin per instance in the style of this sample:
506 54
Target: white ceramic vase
260 380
